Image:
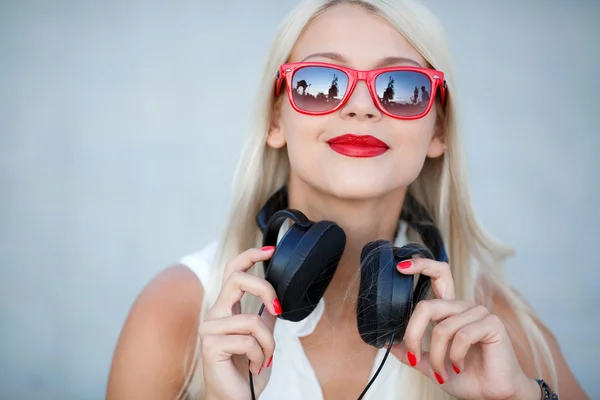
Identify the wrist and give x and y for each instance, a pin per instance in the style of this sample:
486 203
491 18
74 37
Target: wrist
527 390
535 392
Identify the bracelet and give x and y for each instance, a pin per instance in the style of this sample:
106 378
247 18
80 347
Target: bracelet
547 393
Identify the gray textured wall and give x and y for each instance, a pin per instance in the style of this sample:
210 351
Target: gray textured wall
116 122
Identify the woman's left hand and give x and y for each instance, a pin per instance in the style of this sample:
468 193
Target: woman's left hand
471 355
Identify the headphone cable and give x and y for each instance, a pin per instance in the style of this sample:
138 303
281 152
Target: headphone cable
387 352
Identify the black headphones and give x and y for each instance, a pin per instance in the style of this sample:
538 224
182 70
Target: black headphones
307 256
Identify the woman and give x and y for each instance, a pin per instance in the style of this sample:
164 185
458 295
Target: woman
350 156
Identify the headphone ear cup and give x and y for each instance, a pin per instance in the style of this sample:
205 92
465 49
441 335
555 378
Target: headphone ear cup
303 266
386 297
366 304
275 267
422 289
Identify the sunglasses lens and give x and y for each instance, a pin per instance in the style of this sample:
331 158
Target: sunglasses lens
318 89
404 93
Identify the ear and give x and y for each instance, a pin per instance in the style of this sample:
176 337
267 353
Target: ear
437 146
276 135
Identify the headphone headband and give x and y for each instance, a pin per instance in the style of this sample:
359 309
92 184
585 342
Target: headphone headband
278 201
413 212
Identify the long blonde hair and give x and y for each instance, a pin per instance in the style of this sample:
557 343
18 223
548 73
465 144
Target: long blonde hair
475 257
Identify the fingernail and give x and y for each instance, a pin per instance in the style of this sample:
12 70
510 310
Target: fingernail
270 361
259 371
404 264
412 359
277 306
455 368
439 378
267 248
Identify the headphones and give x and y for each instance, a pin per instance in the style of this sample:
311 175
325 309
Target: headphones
306 257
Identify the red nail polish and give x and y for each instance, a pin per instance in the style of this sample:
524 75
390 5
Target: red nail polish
412 359
267 248
270 361
455 368
404 264
259 371
439 378
277 306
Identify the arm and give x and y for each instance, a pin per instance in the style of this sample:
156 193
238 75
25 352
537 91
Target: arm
158 338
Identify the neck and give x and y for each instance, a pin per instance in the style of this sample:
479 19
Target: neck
363 220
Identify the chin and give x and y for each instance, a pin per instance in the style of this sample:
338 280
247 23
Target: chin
353 179
355 186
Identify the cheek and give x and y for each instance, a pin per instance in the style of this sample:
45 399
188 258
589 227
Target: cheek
411 146
307 150
416 135
301 131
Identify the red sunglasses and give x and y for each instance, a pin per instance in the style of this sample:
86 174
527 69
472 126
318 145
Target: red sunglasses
404 92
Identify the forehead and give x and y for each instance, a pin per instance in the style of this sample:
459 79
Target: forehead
361 38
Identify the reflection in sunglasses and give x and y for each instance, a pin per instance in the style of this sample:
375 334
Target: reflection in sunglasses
322 101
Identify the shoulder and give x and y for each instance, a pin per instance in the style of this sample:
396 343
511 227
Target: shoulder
503 307
154 351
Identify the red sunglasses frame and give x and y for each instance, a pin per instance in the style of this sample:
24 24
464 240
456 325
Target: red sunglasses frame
287 71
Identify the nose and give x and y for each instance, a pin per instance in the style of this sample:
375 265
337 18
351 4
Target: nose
360 104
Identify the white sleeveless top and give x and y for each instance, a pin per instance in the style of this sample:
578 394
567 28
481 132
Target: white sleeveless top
294 378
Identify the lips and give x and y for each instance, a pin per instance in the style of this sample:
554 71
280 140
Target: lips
361 146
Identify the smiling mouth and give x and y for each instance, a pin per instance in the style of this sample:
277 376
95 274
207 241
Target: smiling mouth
358 146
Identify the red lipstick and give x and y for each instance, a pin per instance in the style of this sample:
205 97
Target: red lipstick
361 146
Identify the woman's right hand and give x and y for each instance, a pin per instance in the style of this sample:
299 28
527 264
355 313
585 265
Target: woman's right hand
229 339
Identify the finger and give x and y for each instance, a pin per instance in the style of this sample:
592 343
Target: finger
219 348
235 287
424 365
427 311
487 330
443 333
245 260
400 352
442 282
242 324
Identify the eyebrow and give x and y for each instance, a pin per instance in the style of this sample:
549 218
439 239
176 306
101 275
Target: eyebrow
387 61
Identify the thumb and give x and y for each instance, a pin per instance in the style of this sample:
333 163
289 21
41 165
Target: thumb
423 365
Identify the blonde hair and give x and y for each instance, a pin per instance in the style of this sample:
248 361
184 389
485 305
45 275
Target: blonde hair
475 257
